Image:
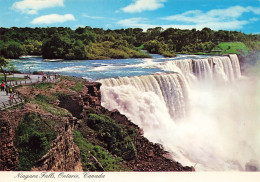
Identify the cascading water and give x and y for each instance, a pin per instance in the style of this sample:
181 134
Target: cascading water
235 65
170 89
192 111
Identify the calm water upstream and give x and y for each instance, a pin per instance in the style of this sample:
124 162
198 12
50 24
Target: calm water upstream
96 69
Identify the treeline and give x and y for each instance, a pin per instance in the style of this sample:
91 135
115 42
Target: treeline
97 43
192 41
65 43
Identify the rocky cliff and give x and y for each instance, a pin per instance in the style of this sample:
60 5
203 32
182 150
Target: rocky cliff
70 111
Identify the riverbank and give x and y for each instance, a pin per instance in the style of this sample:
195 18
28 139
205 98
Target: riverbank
79 133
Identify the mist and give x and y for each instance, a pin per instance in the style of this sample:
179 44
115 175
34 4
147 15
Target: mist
218 127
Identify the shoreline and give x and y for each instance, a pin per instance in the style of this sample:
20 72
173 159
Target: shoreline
85 100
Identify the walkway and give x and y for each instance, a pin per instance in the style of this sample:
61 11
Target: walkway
5 99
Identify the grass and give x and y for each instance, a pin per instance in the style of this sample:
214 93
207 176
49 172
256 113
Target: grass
140 47
78 83
89 152
32 139
232 48
78 87
43 86
45 103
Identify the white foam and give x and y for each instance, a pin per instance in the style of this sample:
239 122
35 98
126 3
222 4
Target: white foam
103 68
76 69
214 125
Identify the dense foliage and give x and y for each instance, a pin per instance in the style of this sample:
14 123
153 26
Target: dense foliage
96 43
32 139
96 158
64 43
118 139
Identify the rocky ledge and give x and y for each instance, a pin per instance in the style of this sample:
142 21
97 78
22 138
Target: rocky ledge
74 109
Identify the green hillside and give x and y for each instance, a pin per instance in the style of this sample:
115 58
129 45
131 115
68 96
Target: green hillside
231 48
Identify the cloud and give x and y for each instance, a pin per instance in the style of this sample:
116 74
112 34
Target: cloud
254 9
93 17
253 19
215 15
134 23
33 6
144 24
53 18
216 19
143 5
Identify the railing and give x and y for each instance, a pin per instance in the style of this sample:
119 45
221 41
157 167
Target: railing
30 82
17 98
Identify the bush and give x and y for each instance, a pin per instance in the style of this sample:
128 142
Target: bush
168 54
117 54
32 139
114 135
87 151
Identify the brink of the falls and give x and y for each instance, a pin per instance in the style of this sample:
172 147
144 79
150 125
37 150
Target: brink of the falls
203 111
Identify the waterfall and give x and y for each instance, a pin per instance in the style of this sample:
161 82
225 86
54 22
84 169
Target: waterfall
171 89
192 111
235 65
202 69
225 68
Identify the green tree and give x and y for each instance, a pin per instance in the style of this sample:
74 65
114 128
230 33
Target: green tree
33 47
12 50
3 63
56 47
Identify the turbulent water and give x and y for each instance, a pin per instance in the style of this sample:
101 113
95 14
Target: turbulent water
201 110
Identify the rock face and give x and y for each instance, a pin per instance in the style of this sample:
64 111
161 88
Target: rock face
151 157
63 154
9 121
90 97
8 153
73 103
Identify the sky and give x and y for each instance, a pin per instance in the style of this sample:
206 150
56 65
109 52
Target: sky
237 15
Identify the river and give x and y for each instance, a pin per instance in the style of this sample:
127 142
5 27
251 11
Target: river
200 108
